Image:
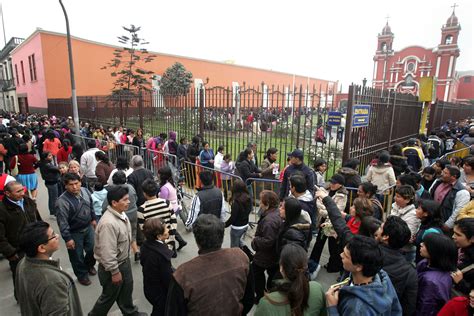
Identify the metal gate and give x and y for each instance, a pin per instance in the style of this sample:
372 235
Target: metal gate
392 118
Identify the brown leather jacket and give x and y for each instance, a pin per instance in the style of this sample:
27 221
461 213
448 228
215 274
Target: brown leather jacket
218 282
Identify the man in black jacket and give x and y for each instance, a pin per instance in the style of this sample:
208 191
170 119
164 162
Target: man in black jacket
209 200
451 194
296 165
396 234
138 176
77 222
16 210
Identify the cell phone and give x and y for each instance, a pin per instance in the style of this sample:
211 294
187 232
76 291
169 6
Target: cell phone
341 284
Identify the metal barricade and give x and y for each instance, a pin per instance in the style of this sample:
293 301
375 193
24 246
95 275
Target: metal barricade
110 147
222 180
155 159
115 150
256 186
461 153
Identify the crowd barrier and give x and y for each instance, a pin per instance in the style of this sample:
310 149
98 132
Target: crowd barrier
189 171
461 150
222 180
155 159
256 186
112 149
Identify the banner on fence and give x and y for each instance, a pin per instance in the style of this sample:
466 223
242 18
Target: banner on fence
360 115
334 118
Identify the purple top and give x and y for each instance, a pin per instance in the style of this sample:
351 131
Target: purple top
434 289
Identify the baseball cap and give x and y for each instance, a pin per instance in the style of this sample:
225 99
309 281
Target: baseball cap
297 153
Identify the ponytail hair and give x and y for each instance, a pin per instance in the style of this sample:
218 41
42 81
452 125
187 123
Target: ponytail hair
294 263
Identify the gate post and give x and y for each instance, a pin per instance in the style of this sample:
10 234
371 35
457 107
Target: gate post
140 109
432 115
299 118
392 116
201 110
348 128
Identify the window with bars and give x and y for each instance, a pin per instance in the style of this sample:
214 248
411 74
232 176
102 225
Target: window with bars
16 75
32 64
22 72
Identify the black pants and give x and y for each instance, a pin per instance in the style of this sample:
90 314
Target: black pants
335 262
179 238
259 278
122 293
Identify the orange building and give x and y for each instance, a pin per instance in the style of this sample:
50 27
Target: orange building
41 70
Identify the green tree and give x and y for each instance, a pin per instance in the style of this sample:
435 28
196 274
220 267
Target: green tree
176 80
127 64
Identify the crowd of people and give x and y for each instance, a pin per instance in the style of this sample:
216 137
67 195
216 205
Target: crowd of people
414 257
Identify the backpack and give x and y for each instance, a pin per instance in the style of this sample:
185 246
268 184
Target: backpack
434 147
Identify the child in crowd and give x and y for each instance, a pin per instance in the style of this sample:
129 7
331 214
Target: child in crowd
63 169
429 176
463 278
404 208
429 213
361 208
227 166
434 273
98 197
320 167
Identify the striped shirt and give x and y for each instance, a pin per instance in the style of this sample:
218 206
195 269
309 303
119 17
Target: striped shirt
159 208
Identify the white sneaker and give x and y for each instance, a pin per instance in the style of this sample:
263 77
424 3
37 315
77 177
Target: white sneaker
314 275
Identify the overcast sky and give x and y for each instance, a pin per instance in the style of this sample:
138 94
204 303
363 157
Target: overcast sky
333 40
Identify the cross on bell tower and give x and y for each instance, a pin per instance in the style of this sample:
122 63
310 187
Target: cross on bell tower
382 57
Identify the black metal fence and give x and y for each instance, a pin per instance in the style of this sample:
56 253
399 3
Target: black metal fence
441 111
393 118
284 117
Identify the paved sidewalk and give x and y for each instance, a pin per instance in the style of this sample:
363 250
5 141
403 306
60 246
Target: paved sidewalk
89 294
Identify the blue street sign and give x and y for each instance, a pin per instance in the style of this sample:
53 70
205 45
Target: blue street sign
334 118
360 115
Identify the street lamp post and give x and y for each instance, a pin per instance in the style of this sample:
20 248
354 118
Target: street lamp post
364 82
75 112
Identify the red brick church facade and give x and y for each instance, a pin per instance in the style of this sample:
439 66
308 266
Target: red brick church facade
402 70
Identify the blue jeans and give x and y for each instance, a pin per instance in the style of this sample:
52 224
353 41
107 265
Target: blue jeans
82 256
52 197
236 237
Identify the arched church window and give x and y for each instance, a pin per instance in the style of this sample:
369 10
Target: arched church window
448 40
383 47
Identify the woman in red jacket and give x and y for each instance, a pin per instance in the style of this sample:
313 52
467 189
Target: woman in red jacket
65 151
26 169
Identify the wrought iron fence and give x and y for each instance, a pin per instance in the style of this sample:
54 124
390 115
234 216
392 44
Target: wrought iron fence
441 111
393 118
283 117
